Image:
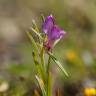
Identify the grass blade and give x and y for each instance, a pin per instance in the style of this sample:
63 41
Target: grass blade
37 33
59 64
38 67
42 17
35 25
35 48
41 84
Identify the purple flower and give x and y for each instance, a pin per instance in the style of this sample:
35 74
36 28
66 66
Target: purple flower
48 24
52 31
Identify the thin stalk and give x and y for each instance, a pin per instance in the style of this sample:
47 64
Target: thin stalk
35 25
48 66
37 33
38 66
49 78
42 17
41 84
42 58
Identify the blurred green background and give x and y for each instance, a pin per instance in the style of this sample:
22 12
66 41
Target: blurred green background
77 51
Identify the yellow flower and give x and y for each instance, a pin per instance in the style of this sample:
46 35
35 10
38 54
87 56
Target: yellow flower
71 56
90 92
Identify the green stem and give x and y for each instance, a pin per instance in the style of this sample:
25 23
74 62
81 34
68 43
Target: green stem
43 63
42 58
42 17
48 78
48 66
38 66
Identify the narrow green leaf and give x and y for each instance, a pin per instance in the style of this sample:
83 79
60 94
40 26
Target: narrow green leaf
38 66
59 64
37 33
48 65
35 25
33 42
43 63
41 84
42 57
42 17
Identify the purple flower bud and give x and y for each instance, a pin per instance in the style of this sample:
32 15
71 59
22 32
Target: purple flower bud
52 31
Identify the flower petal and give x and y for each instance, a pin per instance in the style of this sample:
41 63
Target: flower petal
48 24
56 33
62 33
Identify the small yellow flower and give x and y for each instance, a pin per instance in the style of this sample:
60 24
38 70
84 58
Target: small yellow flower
71 56
90 92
